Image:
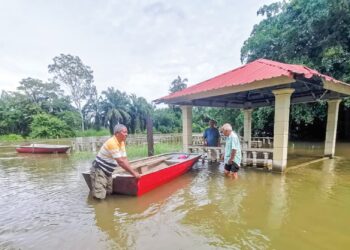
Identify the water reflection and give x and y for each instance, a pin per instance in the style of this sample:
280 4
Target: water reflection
328 179
118 213
279 202
220 212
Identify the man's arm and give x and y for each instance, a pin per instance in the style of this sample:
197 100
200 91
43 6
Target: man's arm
124 163
232 157
205 138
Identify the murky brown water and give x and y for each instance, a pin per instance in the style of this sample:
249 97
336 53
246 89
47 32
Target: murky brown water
44 204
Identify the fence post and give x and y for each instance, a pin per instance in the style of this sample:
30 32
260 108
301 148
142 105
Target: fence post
150 142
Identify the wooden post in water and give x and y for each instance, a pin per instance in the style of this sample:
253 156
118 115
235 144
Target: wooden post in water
150 143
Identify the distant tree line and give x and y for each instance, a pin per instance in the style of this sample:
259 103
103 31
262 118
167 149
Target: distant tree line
42 109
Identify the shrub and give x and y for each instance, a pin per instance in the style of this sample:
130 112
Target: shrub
48 126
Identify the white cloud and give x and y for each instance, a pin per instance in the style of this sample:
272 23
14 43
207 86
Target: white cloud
135 46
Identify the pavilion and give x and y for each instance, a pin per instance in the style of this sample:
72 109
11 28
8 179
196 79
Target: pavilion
264 83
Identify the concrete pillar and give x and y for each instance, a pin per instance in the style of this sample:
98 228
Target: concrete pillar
186 127
247 137
331 131
281 128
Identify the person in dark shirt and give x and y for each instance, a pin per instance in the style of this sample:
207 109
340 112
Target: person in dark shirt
211 138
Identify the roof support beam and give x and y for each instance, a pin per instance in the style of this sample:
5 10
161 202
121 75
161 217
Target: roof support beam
337 87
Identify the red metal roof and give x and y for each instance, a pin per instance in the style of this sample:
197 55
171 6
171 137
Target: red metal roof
257 70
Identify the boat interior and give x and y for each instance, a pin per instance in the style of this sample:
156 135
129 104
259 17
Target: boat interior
150 165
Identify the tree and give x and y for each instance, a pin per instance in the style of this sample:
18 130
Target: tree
38 91
48 126
166 121
139 110
49 96
93 110
71 118
178 84
76 76
115 106
16 113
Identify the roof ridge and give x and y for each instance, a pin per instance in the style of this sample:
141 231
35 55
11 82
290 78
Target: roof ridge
310 72
274 64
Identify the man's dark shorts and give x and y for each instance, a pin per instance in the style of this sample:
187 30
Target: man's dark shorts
232 167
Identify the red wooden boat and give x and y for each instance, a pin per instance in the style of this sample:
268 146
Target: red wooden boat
42 148
154 171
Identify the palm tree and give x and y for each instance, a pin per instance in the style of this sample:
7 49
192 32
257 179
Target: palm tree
139 110
93 110
115 106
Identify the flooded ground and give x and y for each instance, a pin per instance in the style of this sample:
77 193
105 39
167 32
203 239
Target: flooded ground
45 204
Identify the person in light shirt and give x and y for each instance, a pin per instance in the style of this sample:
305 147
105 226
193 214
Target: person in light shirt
111 156
233 154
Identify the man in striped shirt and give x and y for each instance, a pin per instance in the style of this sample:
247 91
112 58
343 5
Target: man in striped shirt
111 156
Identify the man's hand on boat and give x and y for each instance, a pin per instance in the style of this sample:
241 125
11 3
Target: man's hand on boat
137 175
124 163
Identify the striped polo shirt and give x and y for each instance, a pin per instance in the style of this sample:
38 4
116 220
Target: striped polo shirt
110 150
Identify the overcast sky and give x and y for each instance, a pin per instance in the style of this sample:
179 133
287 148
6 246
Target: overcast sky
135 46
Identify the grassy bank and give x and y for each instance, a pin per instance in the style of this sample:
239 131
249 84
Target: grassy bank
11 138
138 151
135 151
92 132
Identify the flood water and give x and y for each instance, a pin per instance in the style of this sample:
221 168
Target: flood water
45 204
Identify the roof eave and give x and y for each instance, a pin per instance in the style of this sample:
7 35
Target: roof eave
339 87
271 82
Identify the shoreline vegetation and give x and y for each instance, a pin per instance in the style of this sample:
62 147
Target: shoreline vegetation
134 151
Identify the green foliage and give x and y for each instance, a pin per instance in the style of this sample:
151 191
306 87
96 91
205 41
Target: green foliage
92 132
48 126
115 106
16 112
263 121
139 110
11 137
71 118
93 110
307 113
39 92
165 120
135 151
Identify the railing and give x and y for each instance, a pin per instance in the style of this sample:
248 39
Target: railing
206 151
257 157
260 153
262 142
